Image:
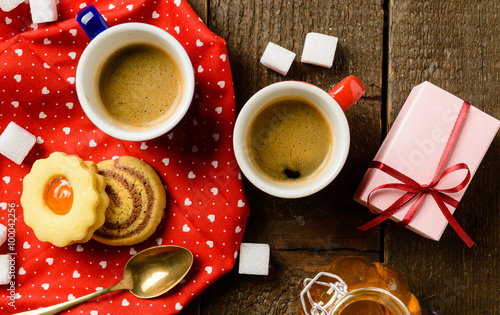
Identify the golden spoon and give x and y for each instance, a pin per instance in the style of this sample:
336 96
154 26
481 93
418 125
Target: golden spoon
147 274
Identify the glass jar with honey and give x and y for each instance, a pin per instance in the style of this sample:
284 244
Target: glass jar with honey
354 286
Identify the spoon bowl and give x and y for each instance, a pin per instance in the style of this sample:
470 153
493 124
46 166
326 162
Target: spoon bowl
156 270
148 274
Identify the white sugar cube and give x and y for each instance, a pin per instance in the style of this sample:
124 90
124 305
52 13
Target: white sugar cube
254 259
319 49
5 261
277 58
9 5
3 234
43 11
16 142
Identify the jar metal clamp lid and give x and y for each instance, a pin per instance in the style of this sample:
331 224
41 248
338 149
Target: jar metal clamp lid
340 298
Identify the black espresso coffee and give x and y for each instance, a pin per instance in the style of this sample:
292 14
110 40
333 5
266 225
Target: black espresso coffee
289 140
140 85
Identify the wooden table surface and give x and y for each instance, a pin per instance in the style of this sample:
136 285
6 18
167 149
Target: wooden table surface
391 46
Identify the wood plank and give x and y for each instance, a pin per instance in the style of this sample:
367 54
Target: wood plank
453 45
306 235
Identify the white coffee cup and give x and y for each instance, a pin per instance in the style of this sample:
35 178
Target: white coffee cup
332 106
104 42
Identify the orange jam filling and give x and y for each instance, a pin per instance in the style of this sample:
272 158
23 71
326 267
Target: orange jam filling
58 195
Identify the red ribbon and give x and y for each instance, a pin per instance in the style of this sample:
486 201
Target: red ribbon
414 190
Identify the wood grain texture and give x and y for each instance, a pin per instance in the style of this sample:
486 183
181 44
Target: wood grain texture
452 45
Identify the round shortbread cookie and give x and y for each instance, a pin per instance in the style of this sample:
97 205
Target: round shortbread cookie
137 201
63 199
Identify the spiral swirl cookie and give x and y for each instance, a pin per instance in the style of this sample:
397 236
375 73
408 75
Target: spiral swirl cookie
64 199
137 201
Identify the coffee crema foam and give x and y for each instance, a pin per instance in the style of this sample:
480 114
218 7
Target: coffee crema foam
140 86
289 140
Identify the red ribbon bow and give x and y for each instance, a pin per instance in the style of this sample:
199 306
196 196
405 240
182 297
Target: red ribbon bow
414 189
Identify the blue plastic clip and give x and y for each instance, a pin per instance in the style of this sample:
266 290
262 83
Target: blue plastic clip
91 21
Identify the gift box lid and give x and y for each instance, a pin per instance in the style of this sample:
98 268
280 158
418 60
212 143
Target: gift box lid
414 146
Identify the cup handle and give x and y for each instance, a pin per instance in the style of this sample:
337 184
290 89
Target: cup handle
91 21
347 92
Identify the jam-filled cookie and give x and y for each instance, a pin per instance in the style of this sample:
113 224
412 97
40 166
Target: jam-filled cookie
137 201
64 199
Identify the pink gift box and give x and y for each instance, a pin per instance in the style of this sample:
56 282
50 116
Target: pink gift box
414 147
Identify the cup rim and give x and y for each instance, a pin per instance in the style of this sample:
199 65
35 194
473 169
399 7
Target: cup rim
330 108
171 44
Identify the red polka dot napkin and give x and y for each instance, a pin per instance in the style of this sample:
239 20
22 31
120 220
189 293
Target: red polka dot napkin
207 209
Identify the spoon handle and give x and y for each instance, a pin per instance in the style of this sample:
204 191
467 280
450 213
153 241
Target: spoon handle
54 309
